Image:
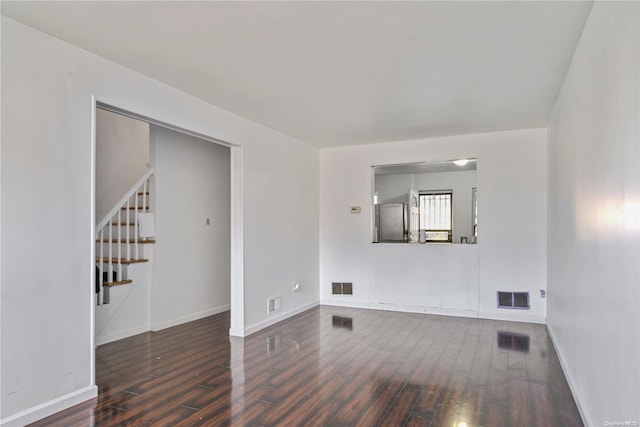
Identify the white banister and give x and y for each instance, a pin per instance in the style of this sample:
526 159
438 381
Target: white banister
101 269
145 189
128 227
124 199
119 244
112 261
136 250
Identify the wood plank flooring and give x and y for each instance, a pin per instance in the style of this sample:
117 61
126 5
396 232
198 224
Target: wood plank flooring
331 366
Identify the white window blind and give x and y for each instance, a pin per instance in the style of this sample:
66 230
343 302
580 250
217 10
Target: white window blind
435 215
435 211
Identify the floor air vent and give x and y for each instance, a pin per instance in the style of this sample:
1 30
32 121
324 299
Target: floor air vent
518 300
342 288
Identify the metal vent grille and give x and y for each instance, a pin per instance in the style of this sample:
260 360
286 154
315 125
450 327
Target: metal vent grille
518 300
347 288
342 288
521 299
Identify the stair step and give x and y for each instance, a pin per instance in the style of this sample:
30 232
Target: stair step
140 193
142 242
119 282
124 208
122 260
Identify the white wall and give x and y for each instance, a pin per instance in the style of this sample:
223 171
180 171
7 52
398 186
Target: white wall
394 188
281 229
47 211
122 156
129 310
431 278
191 269
594 217
510 255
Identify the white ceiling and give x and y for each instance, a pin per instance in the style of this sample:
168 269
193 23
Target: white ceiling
339 73
425 167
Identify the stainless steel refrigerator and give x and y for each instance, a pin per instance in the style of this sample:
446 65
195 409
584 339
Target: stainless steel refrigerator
392 222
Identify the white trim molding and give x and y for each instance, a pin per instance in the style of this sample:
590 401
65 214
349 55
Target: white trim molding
272 320
402 308
104 339
51 407
569 377
513 316
509 317
189 318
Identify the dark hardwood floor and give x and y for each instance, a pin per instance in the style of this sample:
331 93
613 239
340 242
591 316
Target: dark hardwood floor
332 366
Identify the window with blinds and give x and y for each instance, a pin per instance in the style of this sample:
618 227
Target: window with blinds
435 215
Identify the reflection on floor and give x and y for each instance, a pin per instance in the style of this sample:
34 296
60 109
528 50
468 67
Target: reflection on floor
342 322
335 367
513 341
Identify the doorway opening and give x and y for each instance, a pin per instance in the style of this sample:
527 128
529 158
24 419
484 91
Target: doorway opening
190 196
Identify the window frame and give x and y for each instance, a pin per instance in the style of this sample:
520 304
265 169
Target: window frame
474 212
422 193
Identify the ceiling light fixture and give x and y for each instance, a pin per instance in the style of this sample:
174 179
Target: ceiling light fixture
461 162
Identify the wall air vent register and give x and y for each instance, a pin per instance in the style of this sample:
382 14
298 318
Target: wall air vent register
342 288
517 300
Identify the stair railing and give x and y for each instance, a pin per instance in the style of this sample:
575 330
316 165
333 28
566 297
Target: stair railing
110 267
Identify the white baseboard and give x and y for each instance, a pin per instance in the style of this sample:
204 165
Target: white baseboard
455 312
51 407
189 317
272 320
567 374
402 308
511 317
345 303
236 332
104 339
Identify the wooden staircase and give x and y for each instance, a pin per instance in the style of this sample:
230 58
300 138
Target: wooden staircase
121 237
